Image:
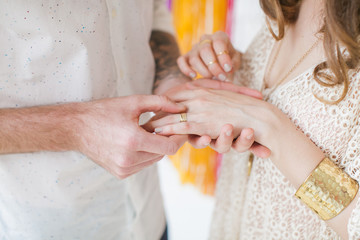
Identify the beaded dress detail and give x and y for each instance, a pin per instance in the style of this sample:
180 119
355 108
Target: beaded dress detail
263 205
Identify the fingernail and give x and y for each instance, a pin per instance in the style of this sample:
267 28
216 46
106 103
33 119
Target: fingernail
192 75
249 136
227 67
222 77
158 130
228 133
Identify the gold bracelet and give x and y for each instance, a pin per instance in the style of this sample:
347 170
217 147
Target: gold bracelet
328 190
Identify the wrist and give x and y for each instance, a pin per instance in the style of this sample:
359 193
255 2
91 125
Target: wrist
294 153
73 124
81 124
271 125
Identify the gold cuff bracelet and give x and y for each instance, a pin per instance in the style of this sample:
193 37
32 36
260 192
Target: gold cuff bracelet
328 190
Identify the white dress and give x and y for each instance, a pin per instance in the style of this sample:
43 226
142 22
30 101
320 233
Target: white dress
263 205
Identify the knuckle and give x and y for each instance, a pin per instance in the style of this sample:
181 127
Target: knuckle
180 60
118 172
223 149
204 91
198 103
206 50
172 149
193 60
163 99
205 36
122 173
186 126
123 163
219 42
194 50
205 114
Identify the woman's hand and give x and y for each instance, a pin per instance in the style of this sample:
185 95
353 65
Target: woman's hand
209 110
213 57
225 141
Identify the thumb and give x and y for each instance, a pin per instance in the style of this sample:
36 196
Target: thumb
152 143
260 150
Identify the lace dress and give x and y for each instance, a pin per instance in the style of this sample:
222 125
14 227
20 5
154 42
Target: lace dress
263 205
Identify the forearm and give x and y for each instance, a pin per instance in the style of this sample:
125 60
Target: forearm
47 128
297 156
166 52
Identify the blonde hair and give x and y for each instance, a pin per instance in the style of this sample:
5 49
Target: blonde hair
341 26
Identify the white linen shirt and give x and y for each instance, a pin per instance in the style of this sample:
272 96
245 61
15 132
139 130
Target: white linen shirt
54 52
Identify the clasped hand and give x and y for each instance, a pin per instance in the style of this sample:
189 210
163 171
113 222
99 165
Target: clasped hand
213 57
211 112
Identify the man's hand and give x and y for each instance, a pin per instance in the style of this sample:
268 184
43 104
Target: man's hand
107 131
111 136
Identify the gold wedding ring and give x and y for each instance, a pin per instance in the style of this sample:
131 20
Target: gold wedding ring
183 117
222 52
211 62
205 41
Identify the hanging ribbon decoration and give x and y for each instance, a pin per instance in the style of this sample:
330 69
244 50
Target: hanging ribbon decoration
193 18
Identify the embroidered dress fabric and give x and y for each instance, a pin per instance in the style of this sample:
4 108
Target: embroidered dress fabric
69 51
263 205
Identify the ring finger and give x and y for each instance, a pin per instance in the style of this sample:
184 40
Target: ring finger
168 120
199 66
209 58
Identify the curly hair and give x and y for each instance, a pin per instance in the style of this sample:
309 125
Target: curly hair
341 28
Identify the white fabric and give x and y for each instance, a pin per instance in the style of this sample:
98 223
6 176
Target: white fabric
246 23
263 206
62 51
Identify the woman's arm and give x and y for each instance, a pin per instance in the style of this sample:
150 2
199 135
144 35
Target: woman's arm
294 154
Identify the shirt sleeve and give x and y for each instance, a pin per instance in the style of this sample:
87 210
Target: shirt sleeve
162 17
352 155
